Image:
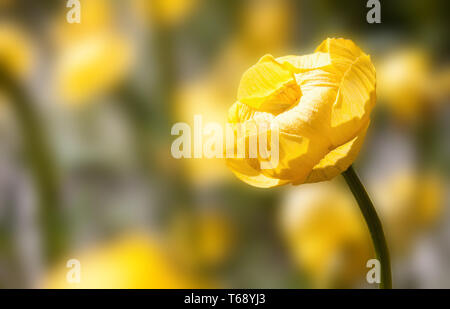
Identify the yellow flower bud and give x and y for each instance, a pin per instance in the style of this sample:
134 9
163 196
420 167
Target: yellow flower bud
321 105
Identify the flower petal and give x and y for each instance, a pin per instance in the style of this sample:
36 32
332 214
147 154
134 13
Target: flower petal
339 159
299 64
356 88
258 180
268 86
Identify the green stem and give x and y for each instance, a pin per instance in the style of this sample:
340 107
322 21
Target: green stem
42 164
374 225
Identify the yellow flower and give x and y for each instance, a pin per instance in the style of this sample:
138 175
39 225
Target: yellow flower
266 25
202 97
92 56
15 50
408 203
404 78
165 12
96 16
6 3
320 103
202 239
91 65
133 261
440 88
326 234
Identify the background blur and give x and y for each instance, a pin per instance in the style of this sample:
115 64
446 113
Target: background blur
86 171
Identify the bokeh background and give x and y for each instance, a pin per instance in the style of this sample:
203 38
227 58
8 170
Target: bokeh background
86 171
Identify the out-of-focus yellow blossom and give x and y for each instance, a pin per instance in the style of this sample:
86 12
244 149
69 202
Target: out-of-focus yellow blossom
202 240
431 199
4 101
91 56
404 78
5 3
408 203
326 234
440 87
91 65
96 16
165 12
209 96
202 98
265 25
133 261
16 52
320 103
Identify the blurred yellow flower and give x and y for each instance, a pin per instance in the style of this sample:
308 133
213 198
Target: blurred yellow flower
408 202
133 261
202 239
15 50
210 94
91 57
5 3
165 12
326 234
96 16
91 65
321 104
440 87
202 97
265 25
404 77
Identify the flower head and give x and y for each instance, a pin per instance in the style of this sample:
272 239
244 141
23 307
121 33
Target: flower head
320 103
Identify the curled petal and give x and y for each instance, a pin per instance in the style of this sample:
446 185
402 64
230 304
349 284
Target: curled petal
253 176
240 112
355 84
268 86
338 160
300 64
